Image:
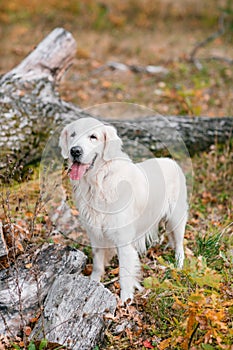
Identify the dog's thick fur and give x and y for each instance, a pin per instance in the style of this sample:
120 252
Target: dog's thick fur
121 203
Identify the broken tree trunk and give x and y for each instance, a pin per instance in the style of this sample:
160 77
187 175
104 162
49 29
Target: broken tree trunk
30 106
31 109
73 313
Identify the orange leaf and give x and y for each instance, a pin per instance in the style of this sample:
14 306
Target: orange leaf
34 319
27 330
29 214
19 246
82 95
115 271
28 266
106 84
75 212
164 344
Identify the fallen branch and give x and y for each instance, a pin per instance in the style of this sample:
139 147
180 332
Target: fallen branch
150 69
219 58
205 42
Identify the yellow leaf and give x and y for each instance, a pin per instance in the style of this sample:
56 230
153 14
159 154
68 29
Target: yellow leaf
164 344
211 279
191 324
28 266
29 214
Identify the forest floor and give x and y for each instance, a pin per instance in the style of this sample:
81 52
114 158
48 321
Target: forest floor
188 309
166 40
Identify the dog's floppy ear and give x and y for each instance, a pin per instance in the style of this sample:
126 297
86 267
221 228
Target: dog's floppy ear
63 143
112 143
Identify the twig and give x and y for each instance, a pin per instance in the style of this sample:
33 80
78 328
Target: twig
219 58
37 209
192 335
149 69
66 236
111 281
40 302
6 325
212 37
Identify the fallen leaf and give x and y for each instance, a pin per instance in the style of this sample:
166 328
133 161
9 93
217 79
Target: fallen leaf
148 345
28 266
164 344
75 212
106 84
115 271
83 53
87 270
117 285
29 214
34 319
82 95
109 316
27 330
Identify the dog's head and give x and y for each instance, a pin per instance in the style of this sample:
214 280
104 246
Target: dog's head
87 141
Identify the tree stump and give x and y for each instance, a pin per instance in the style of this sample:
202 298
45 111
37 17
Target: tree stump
74 307
74 312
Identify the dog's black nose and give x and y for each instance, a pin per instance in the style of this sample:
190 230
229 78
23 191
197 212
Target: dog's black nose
76 151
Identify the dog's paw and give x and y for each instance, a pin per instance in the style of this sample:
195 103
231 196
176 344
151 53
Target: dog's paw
126 298
95 276
139 287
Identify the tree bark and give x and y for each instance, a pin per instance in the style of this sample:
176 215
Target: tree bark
31 109
166 134
50 59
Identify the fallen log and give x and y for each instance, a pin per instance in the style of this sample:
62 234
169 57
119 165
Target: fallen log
31 109
30 105
74 306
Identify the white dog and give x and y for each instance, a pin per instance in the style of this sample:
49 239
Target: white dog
121 203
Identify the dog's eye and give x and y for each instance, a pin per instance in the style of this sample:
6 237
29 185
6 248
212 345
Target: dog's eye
73 134
93 137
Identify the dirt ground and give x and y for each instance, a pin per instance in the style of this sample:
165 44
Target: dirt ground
183 90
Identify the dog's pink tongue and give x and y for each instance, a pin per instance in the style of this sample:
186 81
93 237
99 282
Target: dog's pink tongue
77 171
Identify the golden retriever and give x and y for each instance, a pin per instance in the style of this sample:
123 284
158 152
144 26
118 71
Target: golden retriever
121 203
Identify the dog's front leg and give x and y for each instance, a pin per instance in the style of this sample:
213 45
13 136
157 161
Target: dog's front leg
98 263
129 271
